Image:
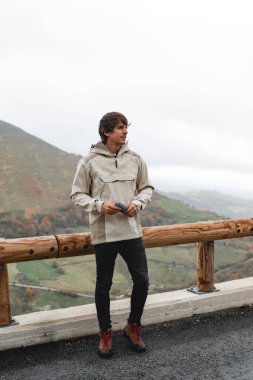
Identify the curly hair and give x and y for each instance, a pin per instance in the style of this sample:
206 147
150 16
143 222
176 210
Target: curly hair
108 122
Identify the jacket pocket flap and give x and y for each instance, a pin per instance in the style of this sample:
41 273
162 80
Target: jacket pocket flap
117 177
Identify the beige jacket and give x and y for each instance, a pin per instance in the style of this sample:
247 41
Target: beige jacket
106 177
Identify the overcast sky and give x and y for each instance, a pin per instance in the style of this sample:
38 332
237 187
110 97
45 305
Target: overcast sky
180 70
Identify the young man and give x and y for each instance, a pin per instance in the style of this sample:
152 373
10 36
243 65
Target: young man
112 184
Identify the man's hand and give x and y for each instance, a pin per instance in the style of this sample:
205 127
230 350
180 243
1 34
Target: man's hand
132 210
109 209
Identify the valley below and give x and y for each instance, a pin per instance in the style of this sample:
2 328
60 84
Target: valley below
35 183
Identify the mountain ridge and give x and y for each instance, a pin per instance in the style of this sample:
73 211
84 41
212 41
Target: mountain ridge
32 171
225 205
36 177
35 183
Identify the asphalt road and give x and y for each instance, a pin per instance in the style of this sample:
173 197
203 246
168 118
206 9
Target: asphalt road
212 346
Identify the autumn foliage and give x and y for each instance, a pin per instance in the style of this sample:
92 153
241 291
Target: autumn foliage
33 223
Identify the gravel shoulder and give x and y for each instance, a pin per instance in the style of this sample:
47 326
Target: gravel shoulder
211 346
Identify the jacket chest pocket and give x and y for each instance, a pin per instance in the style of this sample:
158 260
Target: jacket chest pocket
117 187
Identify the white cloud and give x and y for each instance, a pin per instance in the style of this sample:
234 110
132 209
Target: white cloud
180 70
183 178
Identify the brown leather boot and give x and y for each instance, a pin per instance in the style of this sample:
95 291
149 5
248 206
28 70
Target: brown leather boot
105 344
132 333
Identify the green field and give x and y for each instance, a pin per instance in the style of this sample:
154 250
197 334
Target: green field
23 301
36 179
170 268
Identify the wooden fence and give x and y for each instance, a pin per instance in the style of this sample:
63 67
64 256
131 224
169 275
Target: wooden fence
59 246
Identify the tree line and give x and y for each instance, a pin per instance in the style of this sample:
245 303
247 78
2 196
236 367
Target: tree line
26 224
21 224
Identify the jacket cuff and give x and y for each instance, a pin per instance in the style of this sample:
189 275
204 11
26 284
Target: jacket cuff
138 204
99 205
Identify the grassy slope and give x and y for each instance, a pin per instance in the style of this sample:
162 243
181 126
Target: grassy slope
224 204
170 268
78 274
33 173
181 212
41 176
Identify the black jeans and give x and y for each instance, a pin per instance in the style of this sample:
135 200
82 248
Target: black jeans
133 252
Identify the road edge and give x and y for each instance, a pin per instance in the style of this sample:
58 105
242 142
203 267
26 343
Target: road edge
61 324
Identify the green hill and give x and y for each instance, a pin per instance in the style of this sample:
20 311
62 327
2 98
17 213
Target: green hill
223 204
35 182
33 173
179 212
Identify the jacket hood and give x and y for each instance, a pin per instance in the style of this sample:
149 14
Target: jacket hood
102 149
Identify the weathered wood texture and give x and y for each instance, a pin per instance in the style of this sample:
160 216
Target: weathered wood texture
205 266
74 245
197 232
27 249
5 309
46 247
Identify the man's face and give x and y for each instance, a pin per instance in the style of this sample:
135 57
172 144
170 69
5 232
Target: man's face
118 135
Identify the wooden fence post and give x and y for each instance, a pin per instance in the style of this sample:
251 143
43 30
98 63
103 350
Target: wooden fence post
205 267
5 307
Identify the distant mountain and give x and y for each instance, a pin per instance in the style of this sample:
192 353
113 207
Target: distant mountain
35 183
33 173
36 177
214 201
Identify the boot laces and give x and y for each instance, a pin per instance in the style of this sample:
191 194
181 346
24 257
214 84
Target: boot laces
106 336
137 331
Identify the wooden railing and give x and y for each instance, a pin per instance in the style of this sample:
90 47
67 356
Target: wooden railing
59 246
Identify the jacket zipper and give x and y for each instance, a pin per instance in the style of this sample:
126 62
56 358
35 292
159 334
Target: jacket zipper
115 158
